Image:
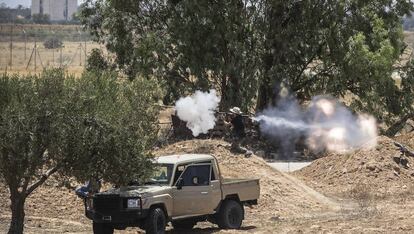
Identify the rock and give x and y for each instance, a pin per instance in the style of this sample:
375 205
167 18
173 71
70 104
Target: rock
396 173
397 158
275 218
248 154
408 127
397 169
370 166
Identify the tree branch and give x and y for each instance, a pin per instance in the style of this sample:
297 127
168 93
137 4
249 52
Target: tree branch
31 170
41 180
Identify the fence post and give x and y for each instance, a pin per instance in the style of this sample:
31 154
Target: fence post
35 50
25 44
11 47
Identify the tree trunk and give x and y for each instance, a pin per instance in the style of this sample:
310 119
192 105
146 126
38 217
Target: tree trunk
263 97
17 208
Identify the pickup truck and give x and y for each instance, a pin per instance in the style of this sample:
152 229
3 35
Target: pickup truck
185 189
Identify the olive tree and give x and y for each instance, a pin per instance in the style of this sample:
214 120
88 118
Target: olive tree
187 45
96 126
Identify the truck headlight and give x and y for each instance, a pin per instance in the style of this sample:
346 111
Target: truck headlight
133 203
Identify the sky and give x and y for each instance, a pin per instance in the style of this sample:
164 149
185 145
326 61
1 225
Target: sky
26 3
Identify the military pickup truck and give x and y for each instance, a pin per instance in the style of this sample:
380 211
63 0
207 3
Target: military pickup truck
185 189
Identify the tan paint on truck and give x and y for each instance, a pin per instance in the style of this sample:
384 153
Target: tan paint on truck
190 201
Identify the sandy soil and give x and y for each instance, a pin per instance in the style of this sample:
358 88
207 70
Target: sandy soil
289 203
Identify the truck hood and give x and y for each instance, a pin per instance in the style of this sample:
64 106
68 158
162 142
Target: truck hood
135 191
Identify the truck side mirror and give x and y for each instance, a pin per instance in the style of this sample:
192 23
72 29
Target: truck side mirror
179 183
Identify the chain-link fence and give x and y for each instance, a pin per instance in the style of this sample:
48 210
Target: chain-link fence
31 48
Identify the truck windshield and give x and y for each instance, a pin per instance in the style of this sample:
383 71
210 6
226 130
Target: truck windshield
162 174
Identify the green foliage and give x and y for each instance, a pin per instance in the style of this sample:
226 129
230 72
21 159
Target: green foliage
243 48
117 129
18 15
53 43
186 45
96 126
342 48
96 61
216 42
41 19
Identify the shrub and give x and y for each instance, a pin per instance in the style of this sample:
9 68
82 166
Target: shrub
53 43
96 61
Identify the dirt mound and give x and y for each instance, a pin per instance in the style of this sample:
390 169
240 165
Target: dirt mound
383 169
278 196
406 139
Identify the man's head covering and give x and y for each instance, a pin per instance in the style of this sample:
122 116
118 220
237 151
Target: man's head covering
236 110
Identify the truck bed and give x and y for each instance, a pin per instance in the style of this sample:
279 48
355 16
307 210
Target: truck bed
246 189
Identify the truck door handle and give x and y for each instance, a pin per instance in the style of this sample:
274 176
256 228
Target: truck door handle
204 193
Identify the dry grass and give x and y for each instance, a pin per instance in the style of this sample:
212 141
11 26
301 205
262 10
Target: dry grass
72 58
365 199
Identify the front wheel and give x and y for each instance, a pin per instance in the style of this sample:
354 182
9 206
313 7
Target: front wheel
230 215
156 222
101 228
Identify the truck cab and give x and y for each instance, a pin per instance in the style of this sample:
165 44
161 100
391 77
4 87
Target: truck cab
184 189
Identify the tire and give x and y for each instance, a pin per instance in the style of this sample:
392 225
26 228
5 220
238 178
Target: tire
101 228
186 224
155 222
231 215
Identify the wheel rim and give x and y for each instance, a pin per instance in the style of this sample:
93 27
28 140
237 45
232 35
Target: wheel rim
234 217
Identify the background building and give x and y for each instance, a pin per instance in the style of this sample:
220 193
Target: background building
58 10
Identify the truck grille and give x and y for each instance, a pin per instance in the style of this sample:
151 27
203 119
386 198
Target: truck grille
105 204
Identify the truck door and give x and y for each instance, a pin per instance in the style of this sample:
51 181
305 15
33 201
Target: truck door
193 195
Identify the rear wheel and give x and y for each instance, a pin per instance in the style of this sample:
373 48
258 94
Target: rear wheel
186 224
156 221
230 215
101 228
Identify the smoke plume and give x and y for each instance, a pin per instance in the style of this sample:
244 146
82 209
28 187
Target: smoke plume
198 111
325 124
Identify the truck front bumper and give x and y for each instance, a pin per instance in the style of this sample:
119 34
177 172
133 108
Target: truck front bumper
127 217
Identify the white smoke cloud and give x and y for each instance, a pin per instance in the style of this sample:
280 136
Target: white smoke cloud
325 124
198 111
